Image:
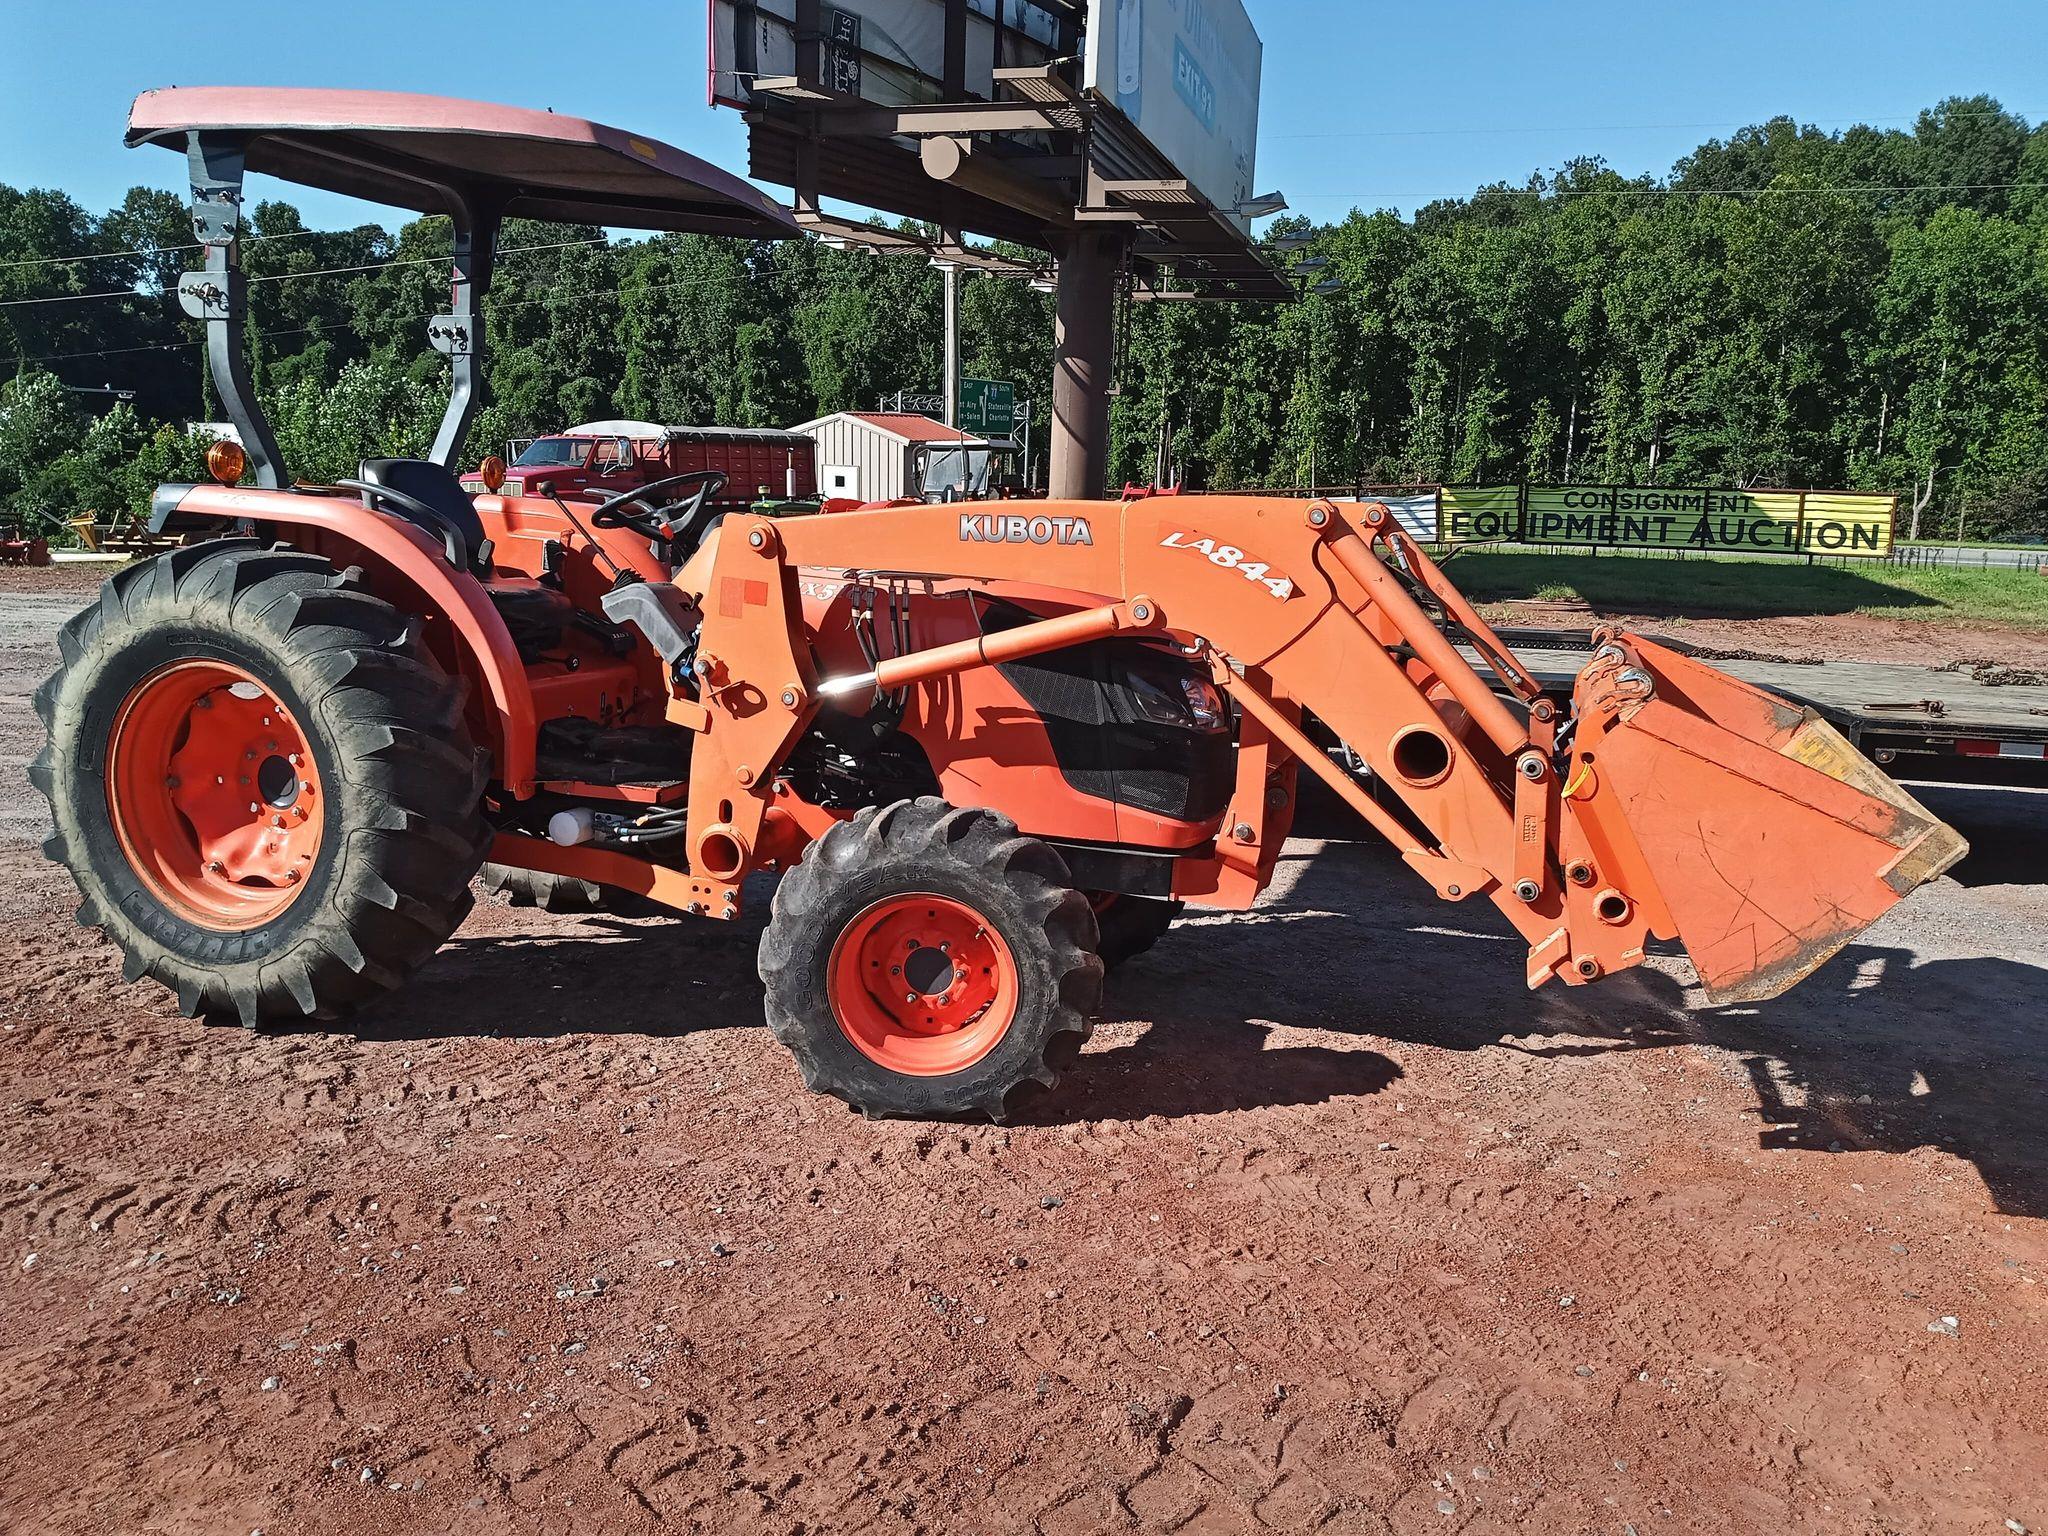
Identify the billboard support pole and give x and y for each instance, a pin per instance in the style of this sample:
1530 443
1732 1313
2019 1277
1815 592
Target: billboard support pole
1084 345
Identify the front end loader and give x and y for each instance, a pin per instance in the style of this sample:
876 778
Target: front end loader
988 749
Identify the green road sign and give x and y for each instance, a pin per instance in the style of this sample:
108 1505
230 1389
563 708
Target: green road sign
988 407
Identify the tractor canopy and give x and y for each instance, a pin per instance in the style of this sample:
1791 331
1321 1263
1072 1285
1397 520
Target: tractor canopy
477 163
438 154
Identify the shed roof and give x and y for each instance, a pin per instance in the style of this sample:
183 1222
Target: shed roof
903 426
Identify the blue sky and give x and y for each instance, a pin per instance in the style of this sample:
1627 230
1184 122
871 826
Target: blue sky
1367 104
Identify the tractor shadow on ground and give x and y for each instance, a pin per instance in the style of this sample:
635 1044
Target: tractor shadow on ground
1880 1050
522 974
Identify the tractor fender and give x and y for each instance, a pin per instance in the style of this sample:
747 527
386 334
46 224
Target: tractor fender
407 566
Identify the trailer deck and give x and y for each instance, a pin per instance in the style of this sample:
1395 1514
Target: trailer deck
1932 722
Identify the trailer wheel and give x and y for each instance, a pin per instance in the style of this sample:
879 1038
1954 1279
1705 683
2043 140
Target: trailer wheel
928 962
264 791
1130 925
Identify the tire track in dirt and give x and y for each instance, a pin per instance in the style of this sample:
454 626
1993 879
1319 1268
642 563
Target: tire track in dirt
1336 1229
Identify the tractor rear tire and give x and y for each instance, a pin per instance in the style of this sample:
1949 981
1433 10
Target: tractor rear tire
550 893
930 962
564 894
1130 925
262 786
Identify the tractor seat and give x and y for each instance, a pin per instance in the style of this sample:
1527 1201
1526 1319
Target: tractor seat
436 486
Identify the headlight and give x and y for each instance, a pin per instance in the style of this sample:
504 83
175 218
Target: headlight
1205 703
1187 702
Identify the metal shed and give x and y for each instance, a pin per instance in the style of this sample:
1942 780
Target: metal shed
883 455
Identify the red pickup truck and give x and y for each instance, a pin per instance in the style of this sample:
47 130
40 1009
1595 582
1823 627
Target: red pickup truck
602 458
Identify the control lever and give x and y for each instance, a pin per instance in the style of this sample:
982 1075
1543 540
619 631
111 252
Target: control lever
661 611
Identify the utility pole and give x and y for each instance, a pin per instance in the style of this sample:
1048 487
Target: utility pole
952 277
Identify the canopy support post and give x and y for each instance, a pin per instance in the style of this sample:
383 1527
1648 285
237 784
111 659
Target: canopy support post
217 294
459 334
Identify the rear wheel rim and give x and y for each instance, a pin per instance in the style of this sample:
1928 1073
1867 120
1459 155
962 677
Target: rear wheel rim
213 795
922 984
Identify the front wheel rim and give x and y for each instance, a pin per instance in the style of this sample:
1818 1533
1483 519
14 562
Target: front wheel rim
922 984
213 795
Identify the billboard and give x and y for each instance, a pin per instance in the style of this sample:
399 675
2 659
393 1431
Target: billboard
1832 523
890 52
1186 73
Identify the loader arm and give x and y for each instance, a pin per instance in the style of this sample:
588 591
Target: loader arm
1670 802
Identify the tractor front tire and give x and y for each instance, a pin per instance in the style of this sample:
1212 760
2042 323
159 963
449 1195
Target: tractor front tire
261 785
931 962
1130 925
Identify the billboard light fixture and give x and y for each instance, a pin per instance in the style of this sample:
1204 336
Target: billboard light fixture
1262 205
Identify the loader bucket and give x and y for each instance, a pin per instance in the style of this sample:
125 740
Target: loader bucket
1771 840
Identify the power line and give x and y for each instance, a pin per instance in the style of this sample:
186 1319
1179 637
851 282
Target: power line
58 357
494 305
1781 191
279 277
425 261
158 250
1430 133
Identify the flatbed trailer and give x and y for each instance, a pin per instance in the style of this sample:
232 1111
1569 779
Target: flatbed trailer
1920 722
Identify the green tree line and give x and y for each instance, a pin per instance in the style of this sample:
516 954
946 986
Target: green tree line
1787 307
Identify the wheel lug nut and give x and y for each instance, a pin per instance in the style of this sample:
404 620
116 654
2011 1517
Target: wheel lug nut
277 821
910 997
255 809
294 759
291 877
214 866
895 970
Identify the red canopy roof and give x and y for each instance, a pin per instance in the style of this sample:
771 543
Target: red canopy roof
433 153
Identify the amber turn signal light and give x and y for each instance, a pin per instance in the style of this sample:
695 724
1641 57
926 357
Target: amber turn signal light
493 471
226 461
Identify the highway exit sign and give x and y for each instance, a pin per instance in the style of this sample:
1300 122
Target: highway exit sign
988 407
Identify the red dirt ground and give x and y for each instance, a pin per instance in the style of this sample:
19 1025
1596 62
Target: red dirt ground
1831 637
1334 1228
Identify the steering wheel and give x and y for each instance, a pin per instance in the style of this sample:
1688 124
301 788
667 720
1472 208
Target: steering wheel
664 520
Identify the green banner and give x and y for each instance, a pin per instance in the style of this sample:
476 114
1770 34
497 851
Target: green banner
1833 523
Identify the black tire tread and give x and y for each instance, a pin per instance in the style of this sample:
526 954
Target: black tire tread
1130 925
981 843
550 893
394 724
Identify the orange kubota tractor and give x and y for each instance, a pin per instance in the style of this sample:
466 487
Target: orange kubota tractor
989 750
